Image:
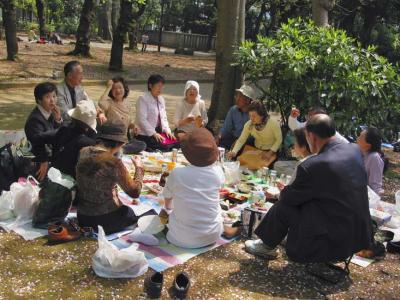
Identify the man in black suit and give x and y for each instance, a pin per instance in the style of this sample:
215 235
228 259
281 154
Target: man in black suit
324 213
44 118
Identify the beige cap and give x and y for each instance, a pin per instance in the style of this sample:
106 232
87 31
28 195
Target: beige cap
247 91
85 111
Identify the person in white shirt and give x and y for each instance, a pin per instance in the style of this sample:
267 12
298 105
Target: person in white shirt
192 194
151 116
294 123
191 112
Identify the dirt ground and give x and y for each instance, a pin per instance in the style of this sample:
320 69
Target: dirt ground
36 61
33 270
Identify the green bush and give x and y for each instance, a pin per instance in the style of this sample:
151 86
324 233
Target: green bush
308 66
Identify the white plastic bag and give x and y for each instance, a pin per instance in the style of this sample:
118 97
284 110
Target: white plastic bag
232 172
25 198
373 198
55 176
6 206
111 262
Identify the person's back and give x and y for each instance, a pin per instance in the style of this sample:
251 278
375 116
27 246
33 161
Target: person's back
196 218
338 203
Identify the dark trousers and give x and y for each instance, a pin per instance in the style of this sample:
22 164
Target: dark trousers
134 146
276 224
114 221
227 141
144 47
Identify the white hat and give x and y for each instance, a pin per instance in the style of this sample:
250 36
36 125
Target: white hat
195 84
85 111
247 91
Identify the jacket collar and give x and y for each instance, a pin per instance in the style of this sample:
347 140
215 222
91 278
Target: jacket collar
329 145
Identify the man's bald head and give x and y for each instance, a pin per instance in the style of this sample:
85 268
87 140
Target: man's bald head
322 126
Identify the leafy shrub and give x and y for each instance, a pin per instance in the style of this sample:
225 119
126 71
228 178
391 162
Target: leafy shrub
310 66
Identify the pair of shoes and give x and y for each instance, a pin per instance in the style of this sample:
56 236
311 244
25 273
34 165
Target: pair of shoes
154 283
61 232
258 248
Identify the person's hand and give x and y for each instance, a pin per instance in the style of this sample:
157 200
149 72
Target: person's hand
199 122
269 196
57 113
134 129
102 118
158 137
110 84
187 121
164 216
230 155
295 113
137 161
280 185
42 172
267 155
171 136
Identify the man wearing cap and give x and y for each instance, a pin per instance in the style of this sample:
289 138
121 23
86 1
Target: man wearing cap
192 194
236 118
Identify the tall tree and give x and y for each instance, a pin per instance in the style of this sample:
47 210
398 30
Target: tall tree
40 16
10 27
230 33
127 15
82 46
134 26
115 14
320 11
104 18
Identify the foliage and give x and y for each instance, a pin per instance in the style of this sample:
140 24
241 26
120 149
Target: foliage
309 66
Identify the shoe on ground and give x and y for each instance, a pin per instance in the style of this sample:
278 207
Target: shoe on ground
258 248
153 285
61 234
181 285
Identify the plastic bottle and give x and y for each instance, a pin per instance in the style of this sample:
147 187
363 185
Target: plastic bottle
397 207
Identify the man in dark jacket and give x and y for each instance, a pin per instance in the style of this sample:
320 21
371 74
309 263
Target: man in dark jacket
324 213
44 118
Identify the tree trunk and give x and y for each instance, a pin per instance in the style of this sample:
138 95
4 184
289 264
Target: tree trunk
320 12
133 28
10 27
117 47
82 46
115 9
40 16
230 33
105 26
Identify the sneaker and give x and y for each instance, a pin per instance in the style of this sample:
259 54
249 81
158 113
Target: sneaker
153 285
258 248
61 234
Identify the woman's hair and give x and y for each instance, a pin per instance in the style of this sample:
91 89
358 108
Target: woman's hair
374 138
124 84
108 143
300 137
42 89
153 79
258 107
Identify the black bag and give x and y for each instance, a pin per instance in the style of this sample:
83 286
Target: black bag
12 166
55 201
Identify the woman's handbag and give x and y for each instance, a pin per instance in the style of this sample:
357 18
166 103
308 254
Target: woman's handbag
251 158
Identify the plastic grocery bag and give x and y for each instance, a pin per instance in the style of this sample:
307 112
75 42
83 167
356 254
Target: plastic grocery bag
25 198
55 198
232 172
373 198
6 206
111 262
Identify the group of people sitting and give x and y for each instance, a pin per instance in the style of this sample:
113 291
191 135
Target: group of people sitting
325 204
